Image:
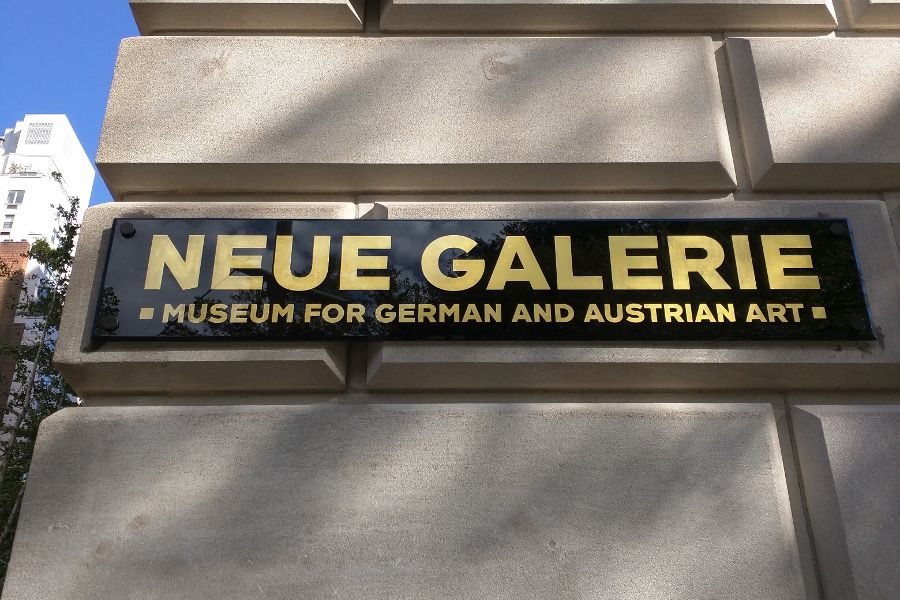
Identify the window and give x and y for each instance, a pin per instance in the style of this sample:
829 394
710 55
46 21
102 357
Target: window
39 133
8 221
15 196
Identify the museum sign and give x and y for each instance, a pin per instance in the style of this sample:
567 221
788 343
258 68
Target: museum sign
612 280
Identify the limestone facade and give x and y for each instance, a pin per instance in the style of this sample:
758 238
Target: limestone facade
485 470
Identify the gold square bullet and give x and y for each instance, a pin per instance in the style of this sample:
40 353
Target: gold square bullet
146 314
818 312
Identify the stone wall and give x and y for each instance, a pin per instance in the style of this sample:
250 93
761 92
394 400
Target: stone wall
485 470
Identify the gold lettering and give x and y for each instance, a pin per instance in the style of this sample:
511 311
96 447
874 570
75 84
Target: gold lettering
226 262
256 316
563 313
311 311
521 314
185 270
218 313
285 312
776 262
704 315
516 246
318 270
542 313
427 313
673 312
352 262
707 267
689 313
471 314
744 262
470 270
565 277
635 314
406 313
725 313
196 318
239 313
356 313
333 313
492 313
450 312
776 313
384 313
593 314
622 263
173 312
755 314
613 317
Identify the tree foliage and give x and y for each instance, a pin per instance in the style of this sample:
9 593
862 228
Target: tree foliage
37 390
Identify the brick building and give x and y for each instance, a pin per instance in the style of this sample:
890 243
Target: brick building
14 260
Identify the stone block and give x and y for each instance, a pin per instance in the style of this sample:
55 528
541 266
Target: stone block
247 197
449 501
873 15
302 114
893 207
246 16
819 113
190 367
850 465
632 365
605 15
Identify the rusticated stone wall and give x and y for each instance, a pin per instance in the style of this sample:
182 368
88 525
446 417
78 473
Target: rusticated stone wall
485 470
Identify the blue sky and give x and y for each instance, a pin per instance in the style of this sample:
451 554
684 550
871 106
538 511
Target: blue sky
59 57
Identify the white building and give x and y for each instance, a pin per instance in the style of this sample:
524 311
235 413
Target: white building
42 165
30 153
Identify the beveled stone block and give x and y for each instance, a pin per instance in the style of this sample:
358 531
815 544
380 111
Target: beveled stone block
186 368
872 15
605 15
446 501
893 207
246 16
819 113
850 463
301 114
630 365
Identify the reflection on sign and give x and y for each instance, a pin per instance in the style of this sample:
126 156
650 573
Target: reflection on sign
773 279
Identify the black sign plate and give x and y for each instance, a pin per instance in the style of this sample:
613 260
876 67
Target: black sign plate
614 280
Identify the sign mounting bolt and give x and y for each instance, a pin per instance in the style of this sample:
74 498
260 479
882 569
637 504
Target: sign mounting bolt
109 322
127 230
